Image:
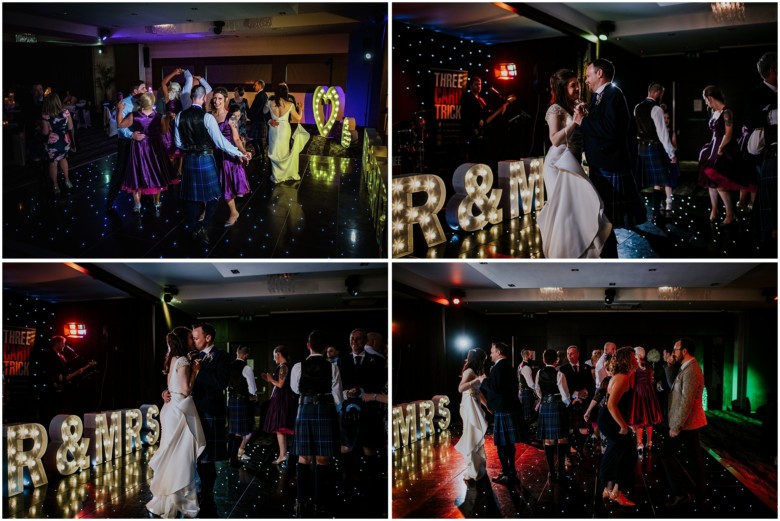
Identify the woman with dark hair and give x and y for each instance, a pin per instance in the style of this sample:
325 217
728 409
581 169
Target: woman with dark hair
232 176
243 106
645 409
472 443
284 159
280 418
572 222
57 127
720 170
181 436
617 463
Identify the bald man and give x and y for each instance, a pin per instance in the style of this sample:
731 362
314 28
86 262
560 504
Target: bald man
601 371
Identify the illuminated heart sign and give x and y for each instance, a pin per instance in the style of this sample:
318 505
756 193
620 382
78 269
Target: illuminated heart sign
334 96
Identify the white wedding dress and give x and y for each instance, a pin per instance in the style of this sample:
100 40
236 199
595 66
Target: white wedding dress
572 222
472 443
284 160
181 442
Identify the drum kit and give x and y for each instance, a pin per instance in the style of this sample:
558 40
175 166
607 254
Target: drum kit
409 143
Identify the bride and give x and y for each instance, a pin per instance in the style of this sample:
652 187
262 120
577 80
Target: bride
181 438
284 159
472 443
572 222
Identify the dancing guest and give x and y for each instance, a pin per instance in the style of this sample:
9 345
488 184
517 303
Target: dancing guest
243 106
167 126
552 389
171 90
190 82
617 463
645 409
762 114
527 386
601 371
258 129
719 166
472 442
605 131
197 134
572 222
580 384
280 418
284 157
182 439
318 382
150 170
56 128
241 403
500 389
124 142
232 176
655 149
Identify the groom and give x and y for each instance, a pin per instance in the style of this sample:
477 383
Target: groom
605 130
500 389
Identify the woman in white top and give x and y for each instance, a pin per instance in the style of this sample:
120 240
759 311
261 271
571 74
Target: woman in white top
472 443
284 159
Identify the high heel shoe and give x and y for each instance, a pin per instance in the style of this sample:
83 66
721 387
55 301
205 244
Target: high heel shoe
621 500
280 460
228 224
729 223
713 216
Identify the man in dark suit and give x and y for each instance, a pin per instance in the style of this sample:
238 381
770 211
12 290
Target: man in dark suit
500 388
259 130
580 382
761 112
605 132
362 373
208 392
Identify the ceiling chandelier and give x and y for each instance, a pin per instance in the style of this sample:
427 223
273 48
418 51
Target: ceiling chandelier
728 12
552 294
670 292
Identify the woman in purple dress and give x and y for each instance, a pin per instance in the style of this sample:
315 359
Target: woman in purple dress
232 176
175 154
280 418
149 171
645 409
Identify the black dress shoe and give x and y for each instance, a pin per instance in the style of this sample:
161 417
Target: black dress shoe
677 501
501 479
202 236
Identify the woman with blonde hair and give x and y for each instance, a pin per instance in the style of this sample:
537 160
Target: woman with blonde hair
645 409
57 127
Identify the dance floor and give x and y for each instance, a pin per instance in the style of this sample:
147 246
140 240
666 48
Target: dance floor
258 489
428 483
324 215
685 232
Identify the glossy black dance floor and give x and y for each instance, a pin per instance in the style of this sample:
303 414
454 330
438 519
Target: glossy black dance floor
428 483
258 489
324 215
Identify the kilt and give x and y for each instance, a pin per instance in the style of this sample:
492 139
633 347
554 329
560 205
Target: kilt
199 180
527 399
623 205
553 420
507 428
653 165
241 415
316 430
215 429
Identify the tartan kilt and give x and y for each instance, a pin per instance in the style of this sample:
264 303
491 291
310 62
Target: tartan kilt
653 165
553 421
623 205
507 428
241 415
316 430
527 399
215 429
767 191
199 180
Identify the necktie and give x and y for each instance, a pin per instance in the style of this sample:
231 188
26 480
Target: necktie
202 355
357 361
576 368
593 98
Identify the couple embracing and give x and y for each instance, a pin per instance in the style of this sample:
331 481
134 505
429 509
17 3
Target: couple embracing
582 209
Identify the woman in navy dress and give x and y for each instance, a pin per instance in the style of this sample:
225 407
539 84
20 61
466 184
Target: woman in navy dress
232 176
149 171
56 128
280 418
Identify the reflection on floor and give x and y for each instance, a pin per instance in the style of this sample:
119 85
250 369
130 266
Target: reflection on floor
428 482
685 232
325 215
258 489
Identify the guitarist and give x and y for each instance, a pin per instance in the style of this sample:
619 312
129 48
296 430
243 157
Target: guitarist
476 118
63 370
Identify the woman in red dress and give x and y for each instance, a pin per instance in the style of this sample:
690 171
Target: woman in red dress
645 409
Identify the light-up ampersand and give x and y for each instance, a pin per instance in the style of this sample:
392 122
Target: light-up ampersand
67 451
16 458
322 96
151 427
347 128
521 184
107 435
470 192
406 215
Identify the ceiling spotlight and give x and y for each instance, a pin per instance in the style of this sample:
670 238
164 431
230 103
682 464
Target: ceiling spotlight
604 29
218 27
368 55
609 296
457 296
104 34
353 285
169 292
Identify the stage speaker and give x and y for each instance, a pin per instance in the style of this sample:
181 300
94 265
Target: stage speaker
146 57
